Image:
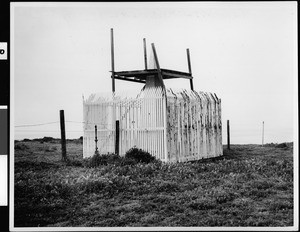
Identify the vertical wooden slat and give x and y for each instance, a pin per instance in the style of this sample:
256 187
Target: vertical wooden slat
165 126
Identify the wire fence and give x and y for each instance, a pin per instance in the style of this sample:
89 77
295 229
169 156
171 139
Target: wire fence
236 134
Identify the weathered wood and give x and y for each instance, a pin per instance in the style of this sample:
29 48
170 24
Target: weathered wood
168 75
63 135
228 135
112 59
173 127
190 68
129 79
145 53
157 66
117 138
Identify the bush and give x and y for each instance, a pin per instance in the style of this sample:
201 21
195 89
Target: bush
132 157
281 145
103 159
139 155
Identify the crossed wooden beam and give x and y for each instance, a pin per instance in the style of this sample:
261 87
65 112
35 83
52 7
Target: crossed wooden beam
140 75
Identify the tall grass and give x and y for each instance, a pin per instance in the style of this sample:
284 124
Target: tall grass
248 186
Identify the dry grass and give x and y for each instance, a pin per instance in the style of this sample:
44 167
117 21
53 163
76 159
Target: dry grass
248 186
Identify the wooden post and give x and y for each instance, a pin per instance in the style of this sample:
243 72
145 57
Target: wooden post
112 59
157 65
190 68
228 135
63 135
145 54
96 140
117 139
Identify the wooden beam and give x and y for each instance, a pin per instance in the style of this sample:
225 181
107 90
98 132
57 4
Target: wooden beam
157 65
136 73
127 79
112 59
168 75
145 53
190 68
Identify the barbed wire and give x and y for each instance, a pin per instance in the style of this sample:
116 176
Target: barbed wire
47 123
40 124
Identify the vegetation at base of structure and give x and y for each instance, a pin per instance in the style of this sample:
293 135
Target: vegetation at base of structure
132 157
250 185
139 155
102 159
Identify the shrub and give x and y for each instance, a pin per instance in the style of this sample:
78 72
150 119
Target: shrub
102 159
281 145
47 139
139 155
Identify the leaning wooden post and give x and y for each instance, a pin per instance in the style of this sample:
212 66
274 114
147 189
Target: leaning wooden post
63 135
145 54
117 139
112 59
157 66
228 135
190 68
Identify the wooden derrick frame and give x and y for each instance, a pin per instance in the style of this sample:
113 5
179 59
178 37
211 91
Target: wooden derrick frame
140 76
172 126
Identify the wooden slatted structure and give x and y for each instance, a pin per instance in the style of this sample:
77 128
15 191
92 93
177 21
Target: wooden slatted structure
176 126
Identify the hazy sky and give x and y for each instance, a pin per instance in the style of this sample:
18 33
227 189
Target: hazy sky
246 53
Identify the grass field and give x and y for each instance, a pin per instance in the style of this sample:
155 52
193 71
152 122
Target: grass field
249 185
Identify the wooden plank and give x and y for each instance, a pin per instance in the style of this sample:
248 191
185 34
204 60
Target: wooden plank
132 80
135 73
145 53
168 75
165 127
112 59
157 65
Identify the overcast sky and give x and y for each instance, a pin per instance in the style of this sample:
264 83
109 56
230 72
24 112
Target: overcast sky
246 53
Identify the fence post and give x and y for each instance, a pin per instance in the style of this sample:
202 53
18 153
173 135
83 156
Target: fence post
228 135
63 135
117 139
96 140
